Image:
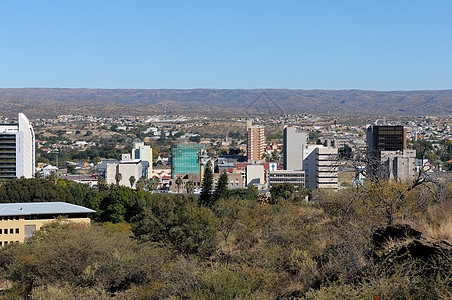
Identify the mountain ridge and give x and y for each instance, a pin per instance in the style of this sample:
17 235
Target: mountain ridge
50 101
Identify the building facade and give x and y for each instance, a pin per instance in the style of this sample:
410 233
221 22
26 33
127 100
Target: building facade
185 159
293 146
385 138
142 152
17 149
255 142
297 178
18 221
127 167
326 167
400 164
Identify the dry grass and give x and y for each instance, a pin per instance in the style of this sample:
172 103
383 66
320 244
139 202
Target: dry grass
442 230
438 221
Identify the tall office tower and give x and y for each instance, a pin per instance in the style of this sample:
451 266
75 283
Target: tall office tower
17 149
382 138
186 159
385 138
142 152
320 164
256 142
326 166
293 144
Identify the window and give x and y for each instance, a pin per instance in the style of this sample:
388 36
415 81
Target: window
6 242
1 244
17 230
17 217
5 231
11 230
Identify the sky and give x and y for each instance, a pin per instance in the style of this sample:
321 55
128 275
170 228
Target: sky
317 44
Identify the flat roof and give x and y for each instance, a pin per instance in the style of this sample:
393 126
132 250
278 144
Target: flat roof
41 208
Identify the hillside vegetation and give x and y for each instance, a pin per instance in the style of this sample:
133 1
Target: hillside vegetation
383 239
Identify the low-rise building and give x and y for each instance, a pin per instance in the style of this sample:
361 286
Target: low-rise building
18 221
295 177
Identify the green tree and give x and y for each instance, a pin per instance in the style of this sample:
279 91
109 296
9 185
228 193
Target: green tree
118 178
178 183
282 190
178 222
33 190
102 183
118 205
222 188
53 177
152 183
132 181
313 135
71 169
190 186
141 183
205 198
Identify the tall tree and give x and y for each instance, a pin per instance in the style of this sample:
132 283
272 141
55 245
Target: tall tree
141 183
102 183
205 198
178 183
190 186
222 187
118 178
53 177
132 180
152 184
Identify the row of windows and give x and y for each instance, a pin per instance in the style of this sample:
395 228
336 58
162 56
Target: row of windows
9 218
6 242
11 231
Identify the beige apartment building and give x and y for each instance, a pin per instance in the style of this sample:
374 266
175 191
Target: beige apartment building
255 143
18 221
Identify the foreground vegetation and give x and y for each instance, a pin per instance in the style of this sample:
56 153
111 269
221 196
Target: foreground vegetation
241 246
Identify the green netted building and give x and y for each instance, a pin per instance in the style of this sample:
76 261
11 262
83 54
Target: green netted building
185 159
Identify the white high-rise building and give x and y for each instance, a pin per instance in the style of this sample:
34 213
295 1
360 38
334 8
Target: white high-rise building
17 149
144 153
294 140
320 164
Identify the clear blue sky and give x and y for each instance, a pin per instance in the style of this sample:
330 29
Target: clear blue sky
375 45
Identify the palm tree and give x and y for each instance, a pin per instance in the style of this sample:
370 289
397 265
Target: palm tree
152 184
141 183
132 180
178 183
190 186
102 183
53 177
118 178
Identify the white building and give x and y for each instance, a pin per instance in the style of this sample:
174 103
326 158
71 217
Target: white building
294 140
127 167
326 167
255 175
297 178
17 149
320 163
143 153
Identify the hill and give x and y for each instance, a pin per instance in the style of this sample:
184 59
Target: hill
41 102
